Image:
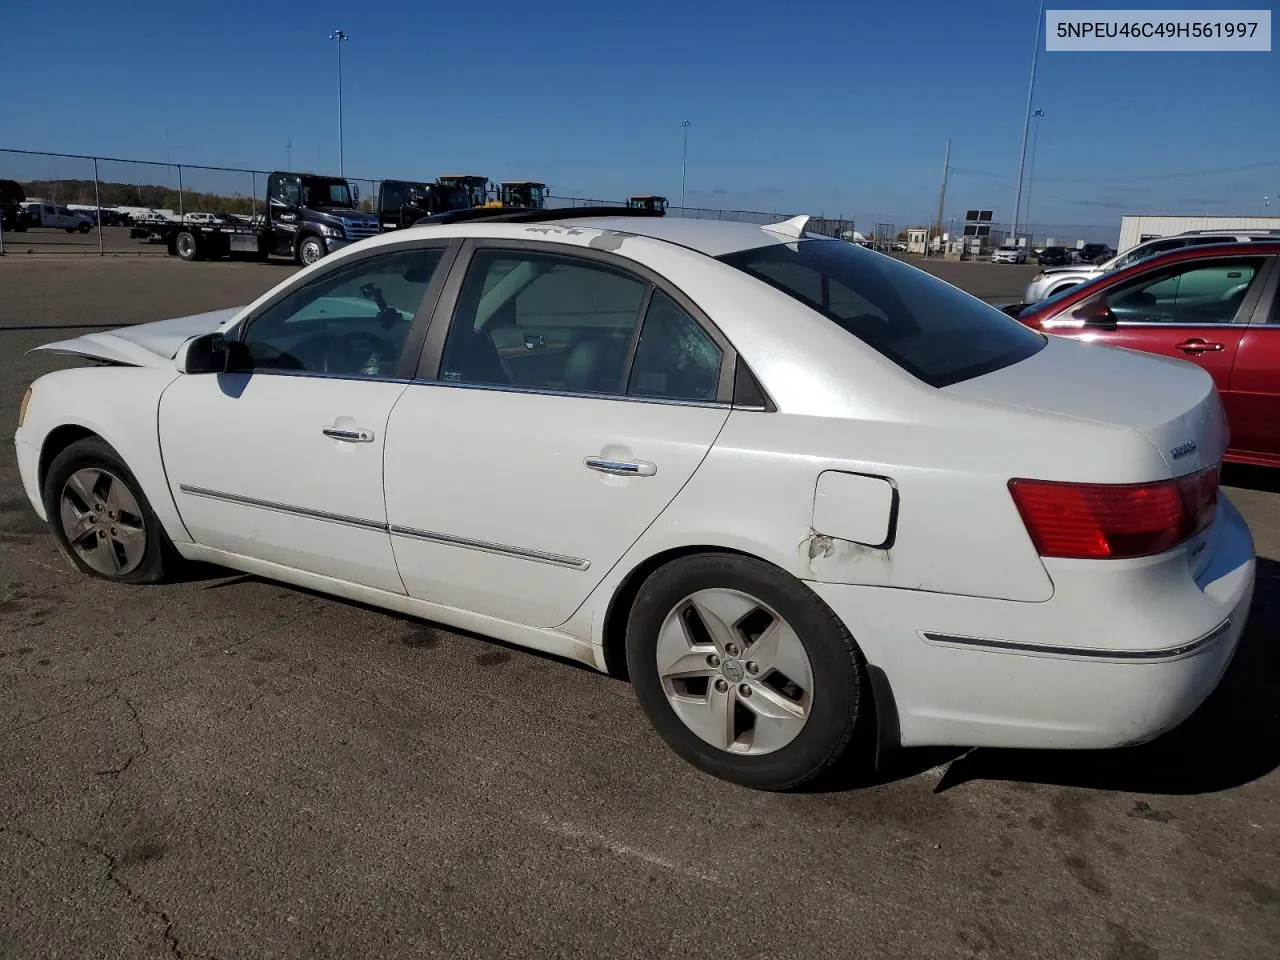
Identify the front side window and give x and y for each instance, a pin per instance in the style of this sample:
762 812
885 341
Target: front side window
542 321
352 322
929 328
1193 293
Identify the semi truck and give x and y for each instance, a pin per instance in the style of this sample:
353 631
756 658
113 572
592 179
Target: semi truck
401 203
305 218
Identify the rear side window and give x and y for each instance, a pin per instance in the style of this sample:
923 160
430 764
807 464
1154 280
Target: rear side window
929 328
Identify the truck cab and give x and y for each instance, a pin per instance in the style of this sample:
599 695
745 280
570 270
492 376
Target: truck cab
477 188
12 214
309 216
402 203
648 202
525 194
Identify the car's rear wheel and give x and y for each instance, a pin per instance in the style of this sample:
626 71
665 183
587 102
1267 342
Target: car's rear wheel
743 671
100 518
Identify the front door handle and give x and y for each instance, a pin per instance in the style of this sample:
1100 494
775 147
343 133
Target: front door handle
349 434
621 468
1196 345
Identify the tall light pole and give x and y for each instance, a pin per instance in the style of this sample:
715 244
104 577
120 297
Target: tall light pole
1031 167
1026 123
684 164
339 37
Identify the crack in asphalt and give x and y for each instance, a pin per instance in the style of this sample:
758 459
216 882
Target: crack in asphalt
113 863
140 672
113 860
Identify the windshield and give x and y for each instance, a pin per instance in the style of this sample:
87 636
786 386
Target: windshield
929 328
326 193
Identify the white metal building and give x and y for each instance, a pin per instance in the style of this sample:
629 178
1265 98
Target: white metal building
1137 228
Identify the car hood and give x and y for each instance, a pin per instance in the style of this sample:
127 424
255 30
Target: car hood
145 344
1172 403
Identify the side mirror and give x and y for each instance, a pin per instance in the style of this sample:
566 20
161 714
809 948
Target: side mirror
355 191
207 353
1096 315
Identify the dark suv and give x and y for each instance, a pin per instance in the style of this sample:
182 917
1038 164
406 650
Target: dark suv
1053 257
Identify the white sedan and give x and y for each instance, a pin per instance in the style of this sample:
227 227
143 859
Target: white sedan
792 488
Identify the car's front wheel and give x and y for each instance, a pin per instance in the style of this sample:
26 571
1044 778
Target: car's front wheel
310 250
100 518
743 671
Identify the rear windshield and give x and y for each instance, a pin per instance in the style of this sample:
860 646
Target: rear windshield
926 326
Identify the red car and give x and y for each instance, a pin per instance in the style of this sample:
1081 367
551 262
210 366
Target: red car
1216 306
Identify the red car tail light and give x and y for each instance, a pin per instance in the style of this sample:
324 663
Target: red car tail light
1115 521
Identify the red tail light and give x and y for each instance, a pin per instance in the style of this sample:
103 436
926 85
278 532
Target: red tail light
1114 521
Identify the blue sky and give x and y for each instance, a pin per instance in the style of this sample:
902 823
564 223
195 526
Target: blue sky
822 107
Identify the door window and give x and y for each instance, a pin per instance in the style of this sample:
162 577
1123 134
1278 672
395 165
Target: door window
1196 293
542 321
352 322
676 359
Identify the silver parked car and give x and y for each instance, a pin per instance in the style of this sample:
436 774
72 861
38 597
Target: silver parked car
1053 280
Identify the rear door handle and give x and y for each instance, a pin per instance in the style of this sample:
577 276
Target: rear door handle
622 468
1196 345
349 434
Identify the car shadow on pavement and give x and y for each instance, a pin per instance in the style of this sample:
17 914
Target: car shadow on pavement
1233 739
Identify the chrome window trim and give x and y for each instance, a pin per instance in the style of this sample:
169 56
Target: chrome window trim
1090 653
573 395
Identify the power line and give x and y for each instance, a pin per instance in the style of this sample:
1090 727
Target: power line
1142 178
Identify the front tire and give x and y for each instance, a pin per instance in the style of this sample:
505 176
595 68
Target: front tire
310 249
100 518
743 671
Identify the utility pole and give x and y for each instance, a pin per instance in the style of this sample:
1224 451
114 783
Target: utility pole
1031 170
288 152
339 37
1026 124
942 193
684 164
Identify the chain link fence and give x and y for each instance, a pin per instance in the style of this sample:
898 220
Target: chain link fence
103 205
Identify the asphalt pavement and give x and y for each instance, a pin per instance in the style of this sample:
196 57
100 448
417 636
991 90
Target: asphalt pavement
228 767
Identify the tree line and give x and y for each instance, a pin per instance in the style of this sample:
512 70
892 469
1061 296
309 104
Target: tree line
138 195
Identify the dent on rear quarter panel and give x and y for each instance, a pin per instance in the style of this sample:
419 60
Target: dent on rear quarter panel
127 421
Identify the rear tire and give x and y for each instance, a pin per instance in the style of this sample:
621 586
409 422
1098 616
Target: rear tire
187 246
100 518
743 671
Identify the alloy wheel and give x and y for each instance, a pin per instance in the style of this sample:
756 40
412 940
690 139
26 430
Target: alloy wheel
102 522
735 672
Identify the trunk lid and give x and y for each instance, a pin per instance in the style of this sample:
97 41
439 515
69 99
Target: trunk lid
1172 403
145 344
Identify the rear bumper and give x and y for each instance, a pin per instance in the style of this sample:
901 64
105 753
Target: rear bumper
1089 672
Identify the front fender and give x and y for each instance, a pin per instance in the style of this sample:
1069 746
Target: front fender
119 404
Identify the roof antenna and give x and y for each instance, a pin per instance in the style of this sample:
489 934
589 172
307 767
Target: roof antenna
790 228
